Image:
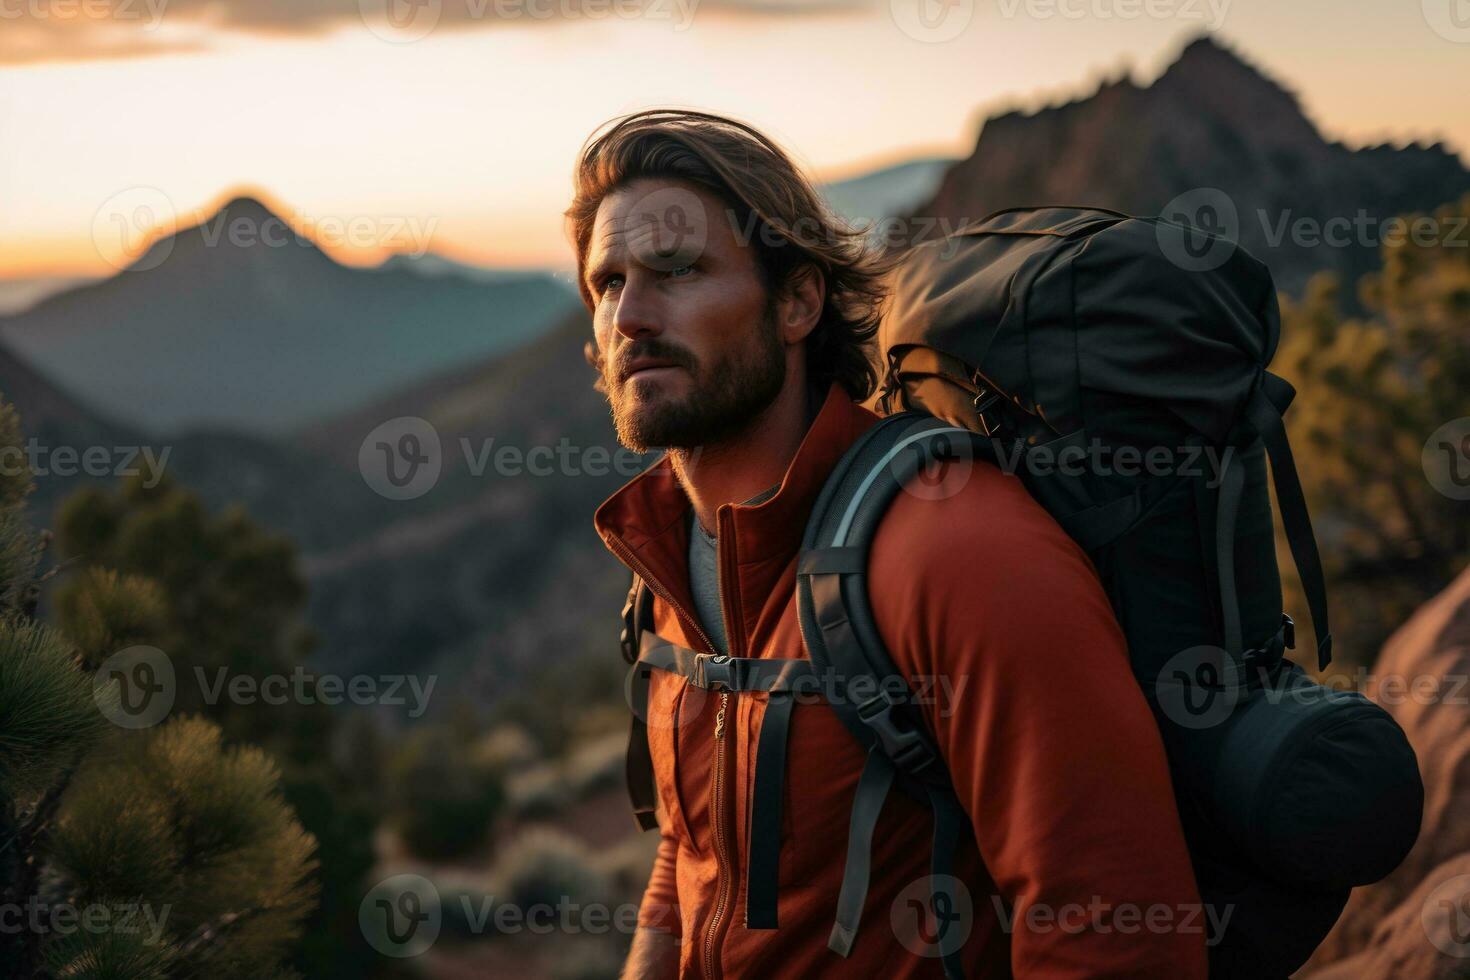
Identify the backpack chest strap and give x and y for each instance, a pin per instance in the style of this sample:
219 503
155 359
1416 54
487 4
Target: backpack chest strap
718 672
778 677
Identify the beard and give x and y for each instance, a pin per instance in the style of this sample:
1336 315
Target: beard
727 395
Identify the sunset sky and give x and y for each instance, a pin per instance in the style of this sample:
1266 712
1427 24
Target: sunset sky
462 140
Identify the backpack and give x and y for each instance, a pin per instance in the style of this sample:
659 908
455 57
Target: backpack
1039 333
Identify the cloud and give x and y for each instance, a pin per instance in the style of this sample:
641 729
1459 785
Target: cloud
37 31
26 41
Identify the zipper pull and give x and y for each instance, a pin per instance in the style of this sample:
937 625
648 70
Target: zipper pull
720 715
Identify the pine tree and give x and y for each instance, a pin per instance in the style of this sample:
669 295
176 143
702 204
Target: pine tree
1371 391
156 853
227 602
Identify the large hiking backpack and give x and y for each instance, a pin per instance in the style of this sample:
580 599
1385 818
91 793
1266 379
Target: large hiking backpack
1040 333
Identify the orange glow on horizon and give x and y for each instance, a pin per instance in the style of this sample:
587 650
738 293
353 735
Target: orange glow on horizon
40 258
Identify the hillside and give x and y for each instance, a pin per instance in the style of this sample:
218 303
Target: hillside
238 323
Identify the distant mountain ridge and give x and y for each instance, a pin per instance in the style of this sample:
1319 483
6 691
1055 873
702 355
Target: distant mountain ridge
19 295
280 484
1210 122
209 329
886 192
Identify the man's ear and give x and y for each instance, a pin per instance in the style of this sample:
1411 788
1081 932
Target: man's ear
801 304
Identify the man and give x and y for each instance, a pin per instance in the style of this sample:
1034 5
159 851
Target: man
733 321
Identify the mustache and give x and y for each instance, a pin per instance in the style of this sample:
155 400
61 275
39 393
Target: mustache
650 349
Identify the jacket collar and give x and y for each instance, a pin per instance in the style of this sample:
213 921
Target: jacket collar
645 523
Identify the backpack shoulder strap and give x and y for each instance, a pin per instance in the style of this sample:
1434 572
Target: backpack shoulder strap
638 768
1265 412
871 696
833 610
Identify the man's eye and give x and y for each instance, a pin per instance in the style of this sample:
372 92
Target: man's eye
612 282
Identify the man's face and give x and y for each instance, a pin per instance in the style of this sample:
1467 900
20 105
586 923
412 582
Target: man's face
675 289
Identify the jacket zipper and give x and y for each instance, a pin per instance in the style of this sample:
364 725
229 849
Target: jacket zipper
721 819
721 840
719 797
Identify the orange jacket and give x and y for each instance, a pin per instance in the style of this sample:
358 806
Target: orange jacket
1081 868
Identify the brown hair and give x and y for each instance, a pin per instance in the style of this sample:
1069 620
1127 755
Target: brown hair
793 228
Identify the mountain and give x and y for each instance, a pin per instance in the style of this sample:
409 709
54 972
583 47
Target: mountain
45 407
259 331
889 191
494 574
281 485
491 577
19 295
1216 129
432 266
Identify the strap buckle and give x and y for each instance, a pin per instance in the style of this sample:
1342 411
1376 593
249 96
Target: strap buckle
714 672
985 397
1271 655
906 745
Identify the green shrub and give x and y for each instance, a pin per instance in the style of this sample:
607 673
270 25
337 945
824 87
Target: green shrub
543 866
441 802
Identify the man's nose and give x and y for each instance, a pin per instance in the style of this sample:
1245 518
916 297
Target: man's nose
638 313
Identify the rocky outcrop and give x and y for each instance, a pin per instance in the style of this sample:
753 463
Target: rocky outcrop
1212 130
1415 924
